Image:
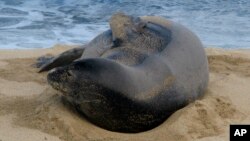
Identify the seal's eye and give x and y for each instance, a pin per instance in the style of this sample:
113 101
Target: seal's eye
142 25
116 42
68 74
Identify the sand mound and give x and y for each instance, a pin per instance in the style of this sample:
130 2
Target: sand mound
32 110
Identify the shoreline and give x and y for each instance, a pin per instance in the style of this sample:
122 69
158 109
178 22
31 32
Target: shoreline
31 110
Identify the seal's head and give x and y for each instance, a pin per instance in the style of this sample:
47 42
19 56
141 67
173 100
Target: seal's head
139 34
124 26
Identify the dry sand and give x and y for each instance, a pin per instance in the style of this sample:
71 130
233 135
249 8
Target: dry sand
30 110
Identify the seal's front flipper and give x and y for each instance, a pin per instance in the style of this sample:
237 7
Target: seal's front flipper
65 58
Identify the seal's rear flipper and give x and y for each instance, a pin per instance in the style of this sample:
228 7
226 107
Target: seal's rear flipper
65 58
42 60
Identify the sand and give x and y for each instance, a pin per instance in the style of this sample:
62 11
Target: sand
30 110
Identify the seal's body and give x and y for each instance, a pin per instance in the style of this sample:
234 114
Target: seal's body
148 68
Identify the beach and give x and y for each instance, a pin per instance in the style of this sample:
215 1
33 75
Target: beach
30 110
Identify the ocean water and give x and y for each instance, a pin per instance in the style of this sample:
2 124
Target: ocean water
43 23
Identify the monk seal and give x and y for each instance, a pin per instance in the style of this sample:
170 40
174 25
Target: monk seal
148 68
